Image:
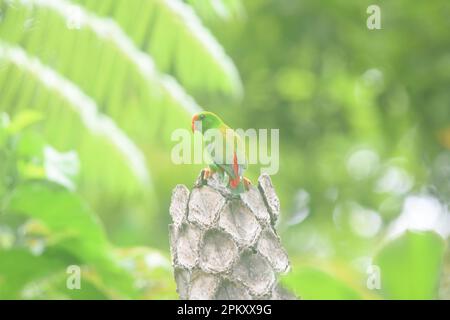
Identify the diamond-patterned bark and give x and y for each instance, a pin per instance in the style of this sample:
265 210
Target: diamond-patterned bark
254 272
180 198
270 247
270 197
254 201
225 246
187 245
203 286
229 290
204 206
240 223
218 251
183 280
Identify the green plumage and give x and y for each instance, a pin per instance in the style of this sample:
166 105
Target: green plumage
224 147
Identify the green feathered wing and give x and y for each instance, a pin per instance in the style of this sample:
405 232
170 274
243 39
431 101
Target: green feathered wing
228 155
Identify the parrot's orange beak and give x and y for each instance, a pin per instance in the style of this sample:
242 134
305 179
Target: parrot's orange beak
194 118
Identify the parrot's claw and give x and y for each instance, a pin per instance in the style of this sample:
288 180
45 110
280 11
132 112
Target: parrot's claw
247 183
206 173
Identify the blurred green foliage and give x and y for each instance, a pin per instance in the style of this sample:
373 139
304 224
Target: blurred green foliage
411 266
90 92
311 284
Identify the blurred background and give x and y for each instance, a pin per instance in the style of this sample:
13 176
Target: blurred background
91 90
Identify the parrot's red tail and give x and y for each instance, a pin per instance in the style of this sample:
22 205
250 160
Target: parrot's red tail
234 183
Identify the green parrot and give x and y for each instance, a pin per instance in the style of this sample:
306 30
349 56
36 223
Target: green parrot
228 158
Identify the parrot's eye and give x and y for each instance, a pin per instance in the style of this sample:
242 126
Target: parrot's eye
202 116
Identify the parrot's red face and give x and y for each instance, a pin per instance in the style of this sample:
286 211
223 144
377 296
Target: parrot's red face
194 118
198 119
204 121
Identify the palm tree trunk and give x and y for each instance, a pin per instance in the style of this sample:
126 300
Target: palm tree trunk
225 246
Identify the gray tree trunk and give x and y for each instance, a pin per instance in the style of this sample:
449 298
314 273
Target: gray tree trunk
225 246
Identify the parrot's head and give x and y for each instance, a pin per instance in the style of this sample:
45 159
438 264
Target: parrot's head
204 121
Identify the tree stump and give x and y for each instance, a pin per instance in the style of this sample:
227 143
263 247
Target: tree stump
225 246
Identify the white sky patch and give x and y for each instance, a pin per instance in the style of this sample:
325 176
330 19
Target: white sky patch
60 167
362 263
395 180
110 31
83 105
423 213
75 19
7 237
4 120
301 207
37 246
373 77
364 222
156 260
220 9
362 163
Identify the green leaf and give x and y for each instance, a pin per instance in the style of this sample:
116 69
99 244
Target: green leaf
83 106
63 212
151 270
24 275
410 266
171 32
311 284
18 267
23 120
211 11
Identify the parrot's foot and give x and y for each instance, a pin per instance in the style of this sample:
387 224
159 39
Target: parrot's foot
247 183
239 185
207 173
